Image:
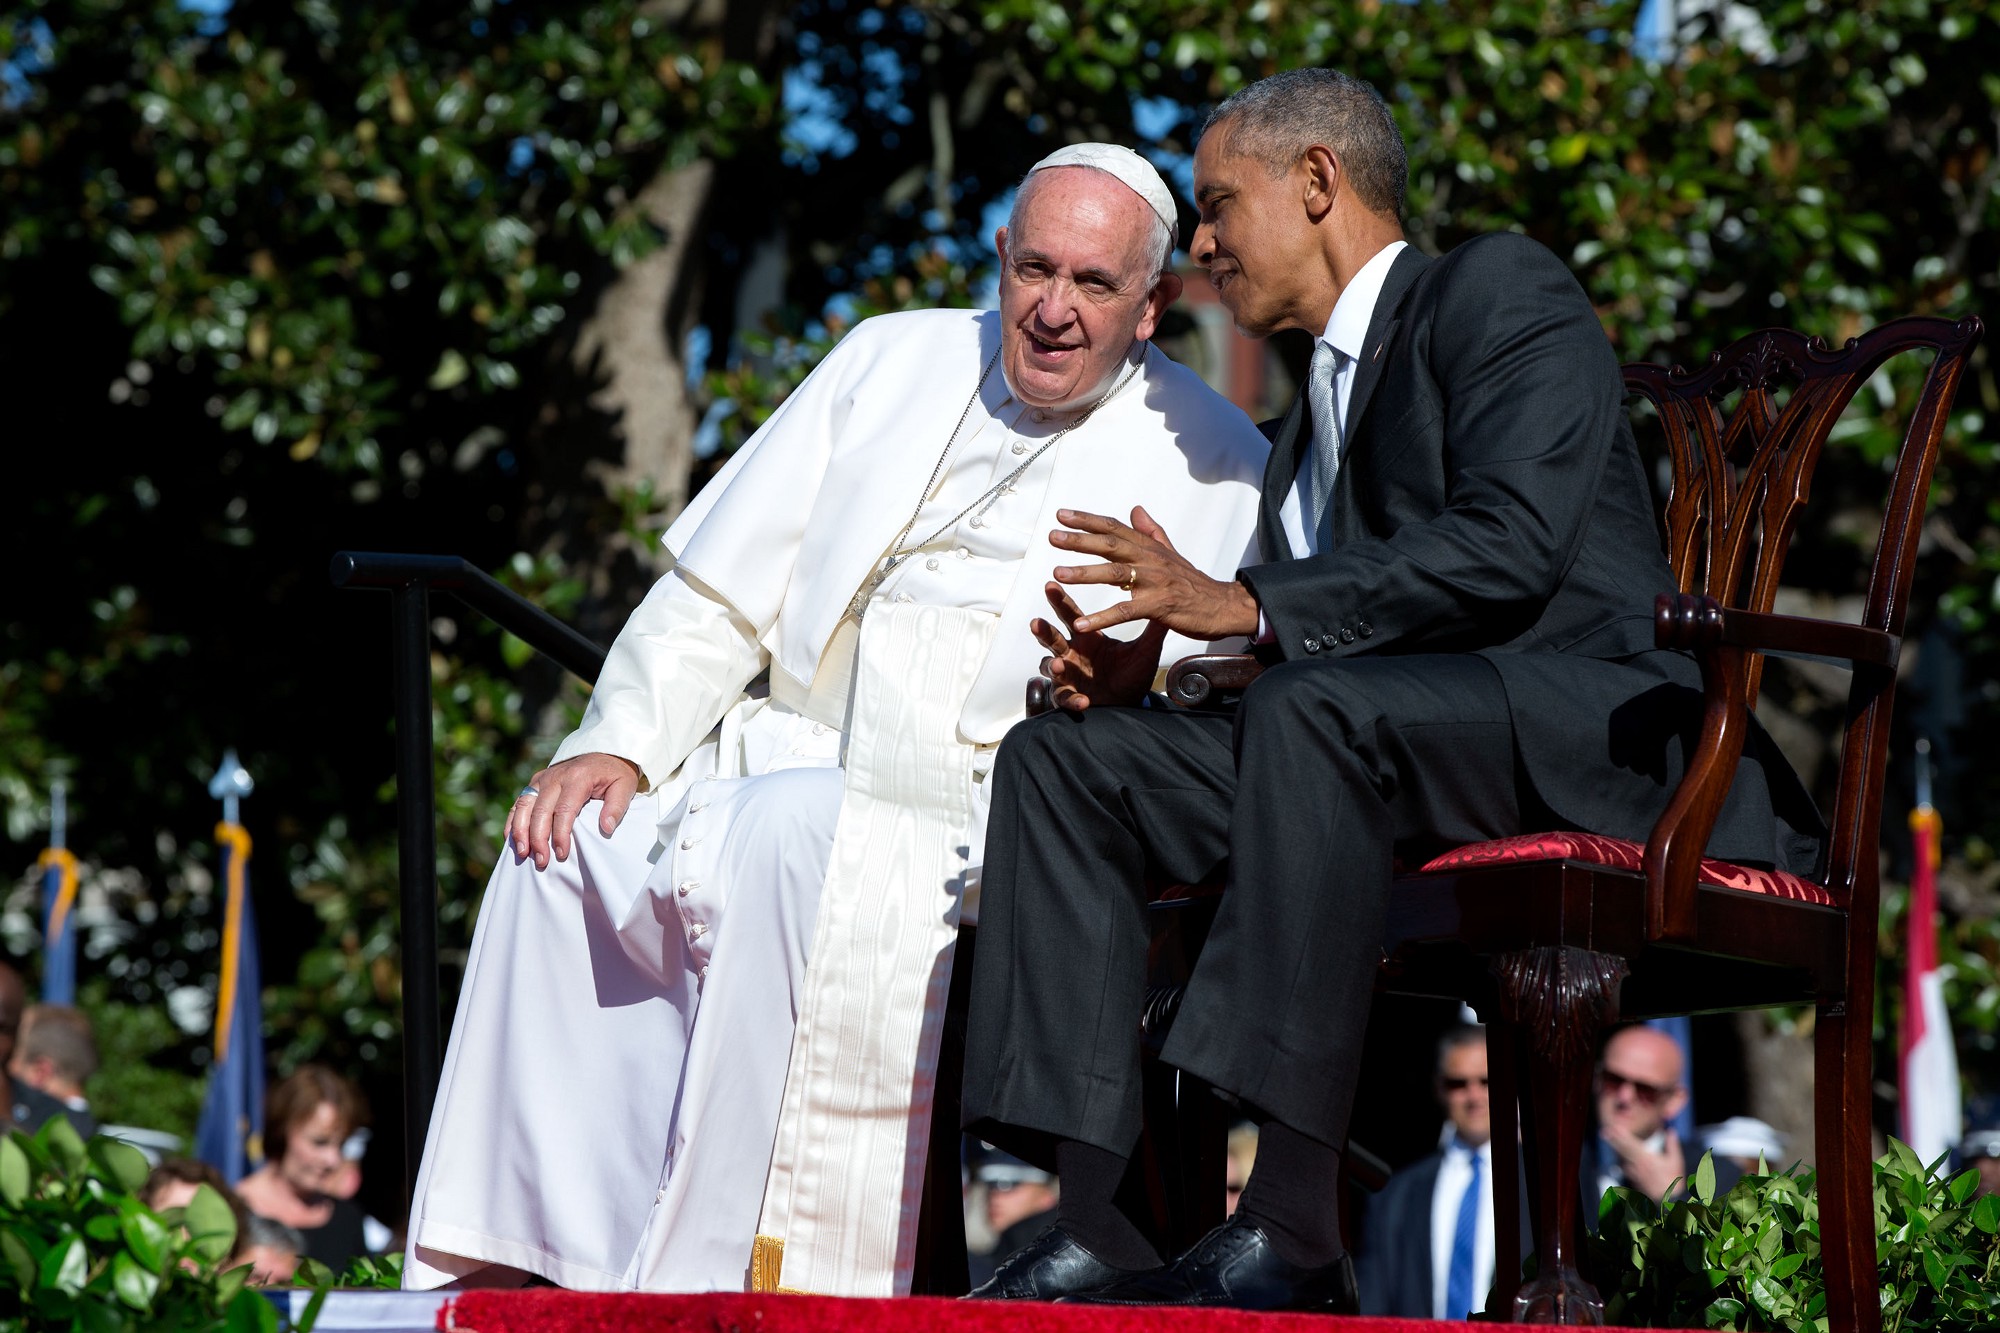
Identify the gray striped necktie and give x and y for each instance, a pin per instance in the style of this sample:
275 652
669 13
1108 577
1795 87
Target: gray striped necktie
1325 403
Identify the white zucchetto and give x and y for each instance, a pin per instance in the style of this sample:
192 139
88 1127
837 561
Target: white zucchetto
1133 171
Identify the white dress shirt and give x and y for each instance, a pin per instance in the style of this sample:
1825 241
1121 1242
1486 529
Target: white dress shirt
1346 331
1454 1174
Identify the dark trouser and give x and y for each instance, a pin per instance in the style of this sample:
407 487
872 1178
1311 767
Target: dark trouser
1324 773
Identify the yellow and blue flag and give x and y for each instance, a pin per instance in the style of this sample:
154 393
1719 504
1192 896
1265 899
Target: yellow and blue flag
58 926
230 1136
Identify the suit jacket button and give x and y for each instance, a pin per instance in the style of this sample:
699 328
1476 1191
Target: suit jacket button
1312 645
1346 634
1364 629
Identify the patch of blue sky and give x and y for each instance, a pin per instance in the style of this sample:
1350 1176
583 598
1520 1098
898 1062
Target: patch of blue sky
700 343
214 15
34 50
1653 36
1153 119
813 128
884 95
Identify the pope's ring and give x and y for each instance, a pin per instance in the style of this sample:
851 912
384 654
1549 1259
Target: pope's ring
529 791
1131 577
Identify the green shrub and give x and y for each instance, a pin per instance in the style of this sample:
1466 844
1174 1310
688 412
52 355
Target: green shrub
79 1251
1750 1258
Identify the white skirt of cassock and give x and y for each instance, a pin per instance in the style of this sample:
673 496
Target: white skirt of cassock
606 1101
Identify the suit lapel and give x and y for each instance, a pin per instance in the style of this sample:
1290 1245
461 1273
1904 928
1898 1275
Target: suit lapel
1279 473
1375 356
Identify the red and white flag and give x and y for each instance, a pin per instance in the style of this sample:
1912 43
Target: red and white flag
1931 1115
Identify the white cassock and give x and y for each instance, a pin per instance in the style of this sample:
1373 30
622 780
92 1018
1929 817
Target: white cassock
646 1078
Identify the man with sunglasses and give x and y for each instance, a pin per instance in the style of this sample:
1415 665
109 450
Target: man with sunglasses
1427 1247
1640 1090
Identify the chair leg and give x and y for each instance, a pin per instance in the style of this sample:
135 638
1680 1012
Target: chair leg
1502 1097
1557 1000
1841 1119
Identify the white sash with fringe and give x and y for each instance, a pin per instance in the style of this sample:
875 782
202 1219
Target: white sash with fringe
847 1170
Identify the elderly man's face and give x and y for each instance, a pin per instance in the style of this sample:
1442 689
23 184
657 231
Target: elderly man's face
1639 1083
1077 286
1254 238
1462 1088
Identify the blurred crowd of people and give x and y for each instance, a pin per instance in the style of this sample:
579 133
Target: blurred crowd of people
1426 1243
299 1204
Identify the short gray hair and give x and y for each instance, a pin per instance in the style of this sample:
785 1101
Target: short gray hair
1162 237
61 1035
1457 1035
1276 120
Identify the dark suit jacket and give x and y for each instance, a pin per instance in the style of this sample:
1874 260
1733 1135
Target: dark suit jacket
32 1108
1392 1267
1490 499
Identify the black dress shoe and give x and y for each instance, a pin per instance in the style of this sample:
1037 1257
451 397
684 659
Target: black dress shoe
1235 1266
1048 1268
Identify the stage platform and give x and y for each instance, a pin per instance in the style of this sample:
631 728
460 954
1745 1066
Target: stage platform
548 1311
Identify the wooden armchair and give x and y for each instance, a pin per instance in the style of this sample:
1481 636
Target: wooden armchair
1553 937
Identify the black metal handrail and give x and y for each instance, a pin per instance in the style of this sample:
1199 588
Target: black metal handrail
409 580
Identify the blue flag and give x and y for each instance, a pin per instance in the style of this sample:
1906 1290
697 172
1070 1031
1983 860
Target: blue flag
58 926
1682 1031
231 1134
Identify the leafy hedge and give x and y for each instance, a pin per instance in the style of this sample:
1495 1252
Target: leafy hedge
1750 1258
79 1251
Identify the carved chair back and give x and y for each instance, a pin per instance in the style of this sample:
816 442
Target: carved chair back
1741 476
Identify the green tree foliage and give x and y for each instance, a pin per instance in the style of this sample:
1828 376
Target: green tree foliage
298 277
332 208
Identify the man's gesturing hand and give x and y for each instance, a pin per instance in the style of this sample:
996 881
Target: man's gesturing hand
541 822
1093 668
1165 588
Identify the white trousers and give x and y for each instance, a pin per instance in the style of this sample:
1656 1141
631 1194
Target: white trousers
615 1074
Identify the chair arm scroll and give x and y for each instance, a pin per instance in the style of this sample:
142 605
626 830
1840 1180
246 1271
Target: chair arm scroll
1696 623
1191 680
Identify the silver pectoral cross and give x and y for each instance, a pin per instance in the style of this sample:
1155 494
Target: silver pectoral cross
859 606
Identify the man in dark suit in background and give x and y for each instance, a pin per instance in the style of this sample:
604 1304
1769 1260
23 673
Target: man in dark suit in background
1427 1245
29 1108
1463 558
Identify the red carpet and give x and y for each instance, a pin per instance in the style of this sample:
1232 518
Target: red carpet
543 1311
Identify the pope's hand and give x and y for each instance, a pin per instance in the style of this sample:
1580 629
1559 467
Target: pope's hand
1089 668
545 813
1165 588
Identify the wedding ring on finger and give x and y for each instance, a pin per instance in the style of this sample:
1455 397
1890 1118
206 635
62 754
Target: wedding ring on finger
1131 577
529 791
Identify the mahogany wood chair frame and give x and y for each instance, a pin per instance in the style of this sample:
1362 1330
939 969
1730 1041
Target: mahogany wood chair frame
1551 953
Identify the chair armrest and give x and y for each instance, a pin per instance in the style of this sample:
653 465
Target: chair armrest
1038 695
1695 623
1721 640
1192 679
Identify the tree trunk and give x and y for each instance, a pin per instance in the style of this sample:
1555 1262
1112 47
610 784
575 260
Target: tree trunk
613 444
1780 1065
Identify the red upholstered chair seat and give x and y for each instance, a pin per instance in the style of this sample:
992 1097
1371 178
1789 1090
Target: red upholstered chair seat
1620 854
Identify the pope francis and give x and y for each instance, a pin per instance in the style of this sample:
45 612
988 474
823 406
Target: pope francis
697 1041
